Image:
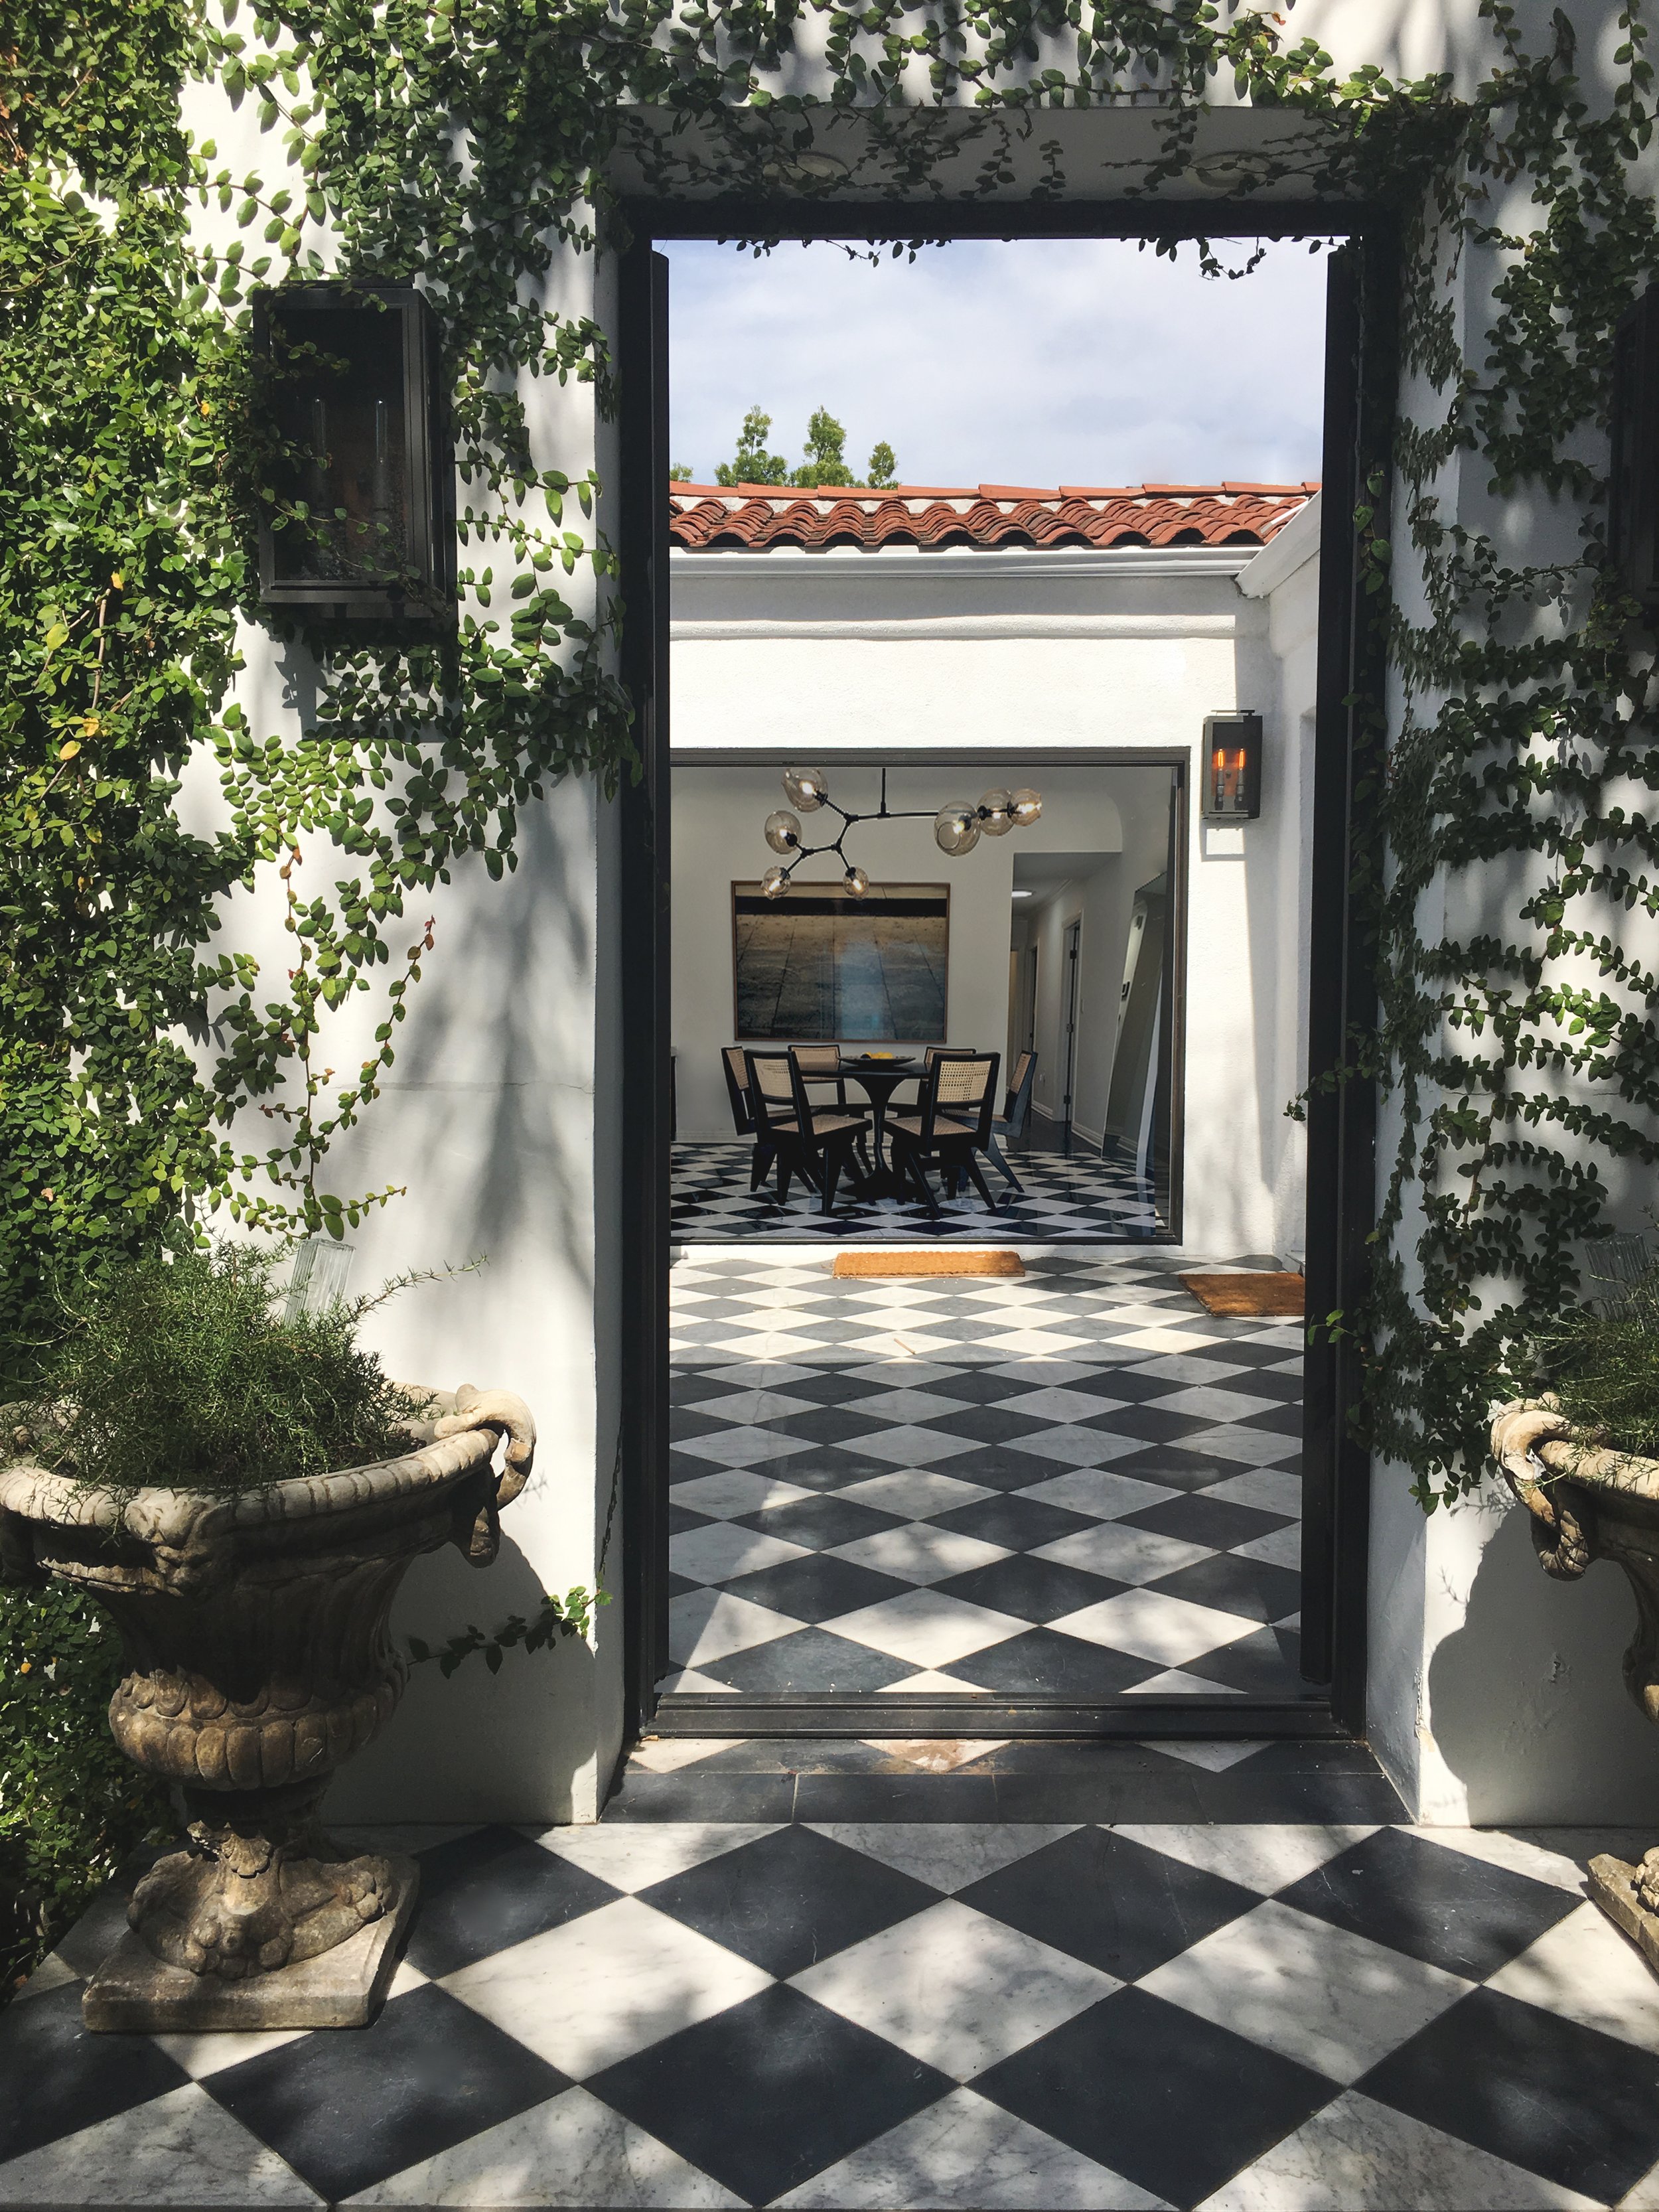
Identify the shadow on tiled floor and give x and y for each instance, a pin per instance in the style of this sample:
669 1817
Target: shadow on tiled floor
1057 1978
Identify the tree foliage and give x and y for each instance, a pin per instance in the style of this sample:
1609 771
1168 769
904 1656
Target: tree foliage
826 461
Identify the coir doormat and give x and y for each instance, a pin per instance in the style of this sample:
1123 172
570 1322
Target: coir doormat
1241 1296
928 1263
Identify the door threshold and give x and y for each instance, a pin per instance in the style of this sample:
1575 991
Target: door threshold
685 1713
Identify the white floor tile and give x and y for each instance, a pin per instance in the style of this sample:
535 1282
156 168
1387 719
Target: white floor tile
1584 1969
689 1682
723 1549
1211 1401
1518 1853
928 1682
1358 2156
928 1628
707 1623
668 1754
917 1493
954 1988
1124 1554
947 1854
572 2151
178 2150
909 1445
1215 1755
1272 1489
1073 1445
631 1855
906 1404
962 2152
1056 1403
1335 2000
1267 1857
1280 1547
1097 1491
733 1491
606 1985
918 1552
204 2055
1175 1682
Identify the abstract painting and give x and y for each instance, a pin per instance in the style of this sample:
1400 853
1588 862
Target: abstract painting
817 966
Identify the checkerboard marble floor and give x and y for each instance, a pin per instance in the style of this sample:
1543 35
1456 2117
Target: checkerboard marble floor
1077 1484
846 1995
1083 1198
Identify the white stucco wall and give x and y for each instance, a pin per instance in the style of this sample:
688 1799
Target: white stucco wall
1493 1693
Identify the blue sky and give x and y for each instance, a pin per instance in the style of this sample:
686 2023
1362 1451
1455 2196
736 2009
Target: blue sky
1035 363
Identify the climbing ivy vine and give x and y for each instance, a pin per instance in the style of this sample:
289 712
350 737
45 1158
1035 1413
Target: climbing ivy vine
469 145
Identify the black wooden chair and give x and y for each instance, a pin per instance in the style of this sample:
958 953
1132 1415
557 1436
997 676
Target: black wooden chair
821 1063
953 1126
1015 1107
737 1091
818 1145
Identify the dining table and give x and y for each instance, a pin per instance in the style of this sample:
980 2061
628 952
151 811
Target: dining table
878 1077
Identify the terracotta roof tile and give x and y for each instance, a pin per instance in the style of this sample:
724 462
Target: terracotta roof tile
755 517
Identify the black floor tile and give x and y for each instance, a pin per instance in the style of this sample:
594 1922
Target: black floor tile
1043 1663
1245 1794
1000 1466
1120 1387
1242 1351
347 2110
1577 2106
817 1588
790 1898
769 2093
1109 1798
818 1522
832 1387
1249 1587
1158 2094
838 1797
56 2078
1268 1664
1280 1420
827 1425
1433 1904
1154 1423
980 1387
990 1424
813 1659
681 1518
1179 1467
1217 1522
482 1892
1017 1522
1030 1590
1109 1901
692 1385
693 1793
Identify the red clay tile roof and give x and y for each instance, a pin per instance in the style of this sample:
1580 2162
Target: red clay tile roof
755 518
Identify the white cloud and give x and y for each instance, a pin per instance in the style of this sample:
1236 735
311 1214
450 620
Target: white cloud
1036 361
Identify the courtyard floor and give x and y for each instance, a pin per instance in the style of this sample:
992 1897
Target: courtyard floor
1018 1978
1076 1485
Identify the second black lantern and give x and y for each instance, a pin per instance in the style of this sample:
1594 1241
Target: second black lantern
362 527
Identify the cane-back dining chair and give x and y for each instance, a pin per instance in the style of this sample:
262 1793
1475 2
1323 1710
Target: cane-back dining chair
817 1144
1015 1109
953 1124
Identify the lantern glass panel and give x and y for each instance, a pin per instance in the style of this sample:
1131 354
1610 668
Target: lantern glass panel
341 414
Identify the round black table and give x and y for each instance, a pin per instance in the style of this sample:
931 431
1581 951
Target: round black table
879 1080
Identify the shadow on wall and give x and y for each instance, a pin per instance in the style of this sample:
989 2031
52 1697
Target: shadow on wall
1527 1701
459 1749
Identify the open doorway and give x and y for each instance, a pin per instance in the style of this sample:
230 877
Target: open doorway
858 1470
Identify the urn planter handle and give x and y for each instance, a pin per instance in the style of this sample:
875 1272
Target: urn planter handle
258 1658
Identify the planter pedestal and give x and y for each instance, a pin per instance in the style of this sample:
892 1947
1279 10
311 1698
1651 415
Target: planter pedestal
255 1632
1587 1502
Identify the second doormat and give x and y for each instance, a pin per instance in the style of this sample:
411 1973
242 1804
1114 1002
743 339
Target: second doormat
1247 1294
928 1263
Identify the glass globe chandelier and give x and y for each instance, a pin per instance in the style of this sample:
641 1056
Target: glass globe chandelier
957 828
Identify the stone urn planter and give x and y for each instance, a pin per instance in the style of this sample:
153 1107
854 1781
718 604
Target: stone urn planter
1590 1502
259 1657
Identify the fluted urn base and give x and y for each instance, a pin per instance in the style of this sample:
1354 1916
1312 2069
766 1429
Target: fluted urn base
1629 1895
339 1918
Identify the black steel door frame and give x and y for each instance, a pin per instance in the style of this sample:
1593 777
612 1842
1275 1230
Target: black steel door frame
1360 376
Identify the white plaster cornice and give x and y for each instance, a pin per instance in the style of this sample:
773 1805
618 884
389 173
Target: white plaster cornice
957 565
807 629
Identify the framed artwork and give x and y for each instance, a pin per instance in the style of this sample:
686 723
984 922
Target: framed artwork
817 966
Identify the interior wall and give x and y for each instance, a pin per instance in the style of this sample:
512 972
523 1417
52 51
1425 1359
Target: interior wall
718 814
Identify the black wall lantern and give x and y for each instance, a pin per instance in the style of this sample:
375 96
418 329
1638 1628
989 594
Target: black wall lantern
1233 767
1633 489
360 442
